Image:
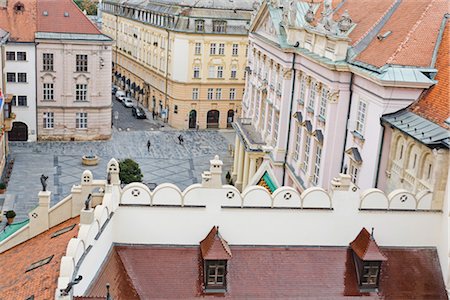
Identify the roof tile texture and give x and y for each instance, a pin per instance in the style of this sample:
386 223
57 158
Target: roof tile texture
20 25
40 282
75 22
434 104
172 272
415 26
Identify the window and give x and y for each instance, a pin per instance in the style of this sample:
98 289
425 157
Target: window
81 121
221 49
22 56
361 117
48 91
312 98
323 103
40 263
22 100
81 63
49 121
370 274
175 109
47 61
269 121
210 93
354 173
429 171
196 72
212 49
275 129
306 152
21 77
218 93
10 77
198 48
199 25
235 49
10 55
400 155
81 92
220 72
233 72
302 90
219 26
232 94
195 94
215 273
317 165
298 139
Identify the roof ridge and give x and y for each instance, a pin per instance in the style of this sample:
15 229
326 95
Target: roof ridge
408 36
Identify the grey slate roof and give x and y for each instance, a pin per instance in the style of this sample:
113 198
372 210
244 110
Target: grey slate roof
72 36
419 128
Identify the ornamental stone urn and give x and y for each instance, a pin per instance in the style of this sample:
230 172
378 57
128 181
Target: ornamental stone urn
89 160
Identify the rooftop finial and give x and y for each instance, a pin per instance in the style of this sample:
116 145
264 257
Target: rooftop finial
371 235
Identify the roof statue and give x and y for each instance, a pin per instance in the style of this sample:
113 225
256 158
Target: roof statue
309 16
345 22
292 12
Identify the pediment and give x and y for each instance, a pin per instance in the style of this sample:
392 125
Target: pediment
266 24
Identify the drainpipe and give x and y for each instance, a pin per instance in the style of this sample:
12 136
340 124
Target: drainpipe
348 119
36 88
379 153
290 119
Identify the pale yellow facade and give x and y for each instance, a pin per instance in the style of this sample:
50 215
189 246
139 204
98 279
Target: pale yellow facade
179 72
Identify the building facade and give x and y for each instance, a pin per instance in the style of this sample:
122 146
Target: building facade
319 79
184 62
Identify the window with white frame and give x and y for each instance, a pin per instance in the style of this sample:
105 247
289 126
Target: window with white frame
218 93
81 120
199 25
323 103
48 91
269 121
312 98
232 93
235 49
198 48
210 93
211 72
196 72
219 26
361 117
354 172
21 77
221 49
302 89
49 120
22 100
220 72
21 56
233 72
257 107
275 128
298 139
306 152
212 49
81 63
317 165
81 92
195 94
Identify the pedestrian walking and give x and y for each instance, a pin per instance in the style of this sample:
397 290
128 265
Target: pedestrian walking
180 139
153 114
148 145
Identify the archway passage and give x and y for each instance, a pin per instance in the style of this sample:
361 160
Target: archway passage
230 118
19 132
192 118
212 119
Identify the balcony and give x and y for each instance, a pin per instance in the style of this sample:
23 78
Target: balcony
9 121
253 140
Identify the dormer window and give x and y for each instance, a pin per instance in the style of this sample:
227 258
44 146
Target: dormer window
199 25
215 254
368 258
219 26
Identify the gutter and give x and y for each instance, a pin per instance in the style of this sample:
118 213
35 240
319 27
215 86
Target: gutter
348 120
290 119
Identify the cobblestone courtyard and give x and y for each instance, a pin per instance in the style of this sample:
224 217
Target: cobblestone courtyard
167 161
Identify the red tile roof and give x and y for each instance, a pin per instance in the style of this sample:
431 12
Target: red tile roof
41 282
214 246
172 272
20 25
434 104
366 248
415 26
75 22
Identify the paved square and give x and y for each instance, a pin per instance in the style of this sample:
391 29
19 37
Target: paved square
167 161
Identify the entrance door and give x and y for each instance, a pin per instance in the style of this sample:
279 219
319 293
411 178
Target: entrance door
19 132
230 118
212 119
192 119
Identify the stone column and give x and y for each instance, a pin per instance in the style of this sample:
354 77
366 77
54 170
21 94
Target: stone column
240 169
237 143
252 168
440 173
246 166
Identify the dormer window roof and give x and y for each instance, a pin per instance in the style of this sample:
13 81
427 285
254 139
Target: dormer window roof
368 259
214 246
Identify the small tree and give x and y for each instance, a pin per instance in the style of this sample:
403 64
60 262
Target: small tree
129 171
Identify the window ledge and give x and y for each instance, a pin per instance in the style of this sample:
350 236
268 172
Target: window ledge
321 119
358 135
310 110
214 291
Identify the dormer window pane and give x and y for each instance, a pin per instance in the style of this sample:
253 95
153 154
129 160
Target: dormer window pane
199 25
216 272
370 274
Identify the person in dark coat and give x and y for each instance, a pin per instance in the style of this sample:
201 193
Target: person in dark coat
148 145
